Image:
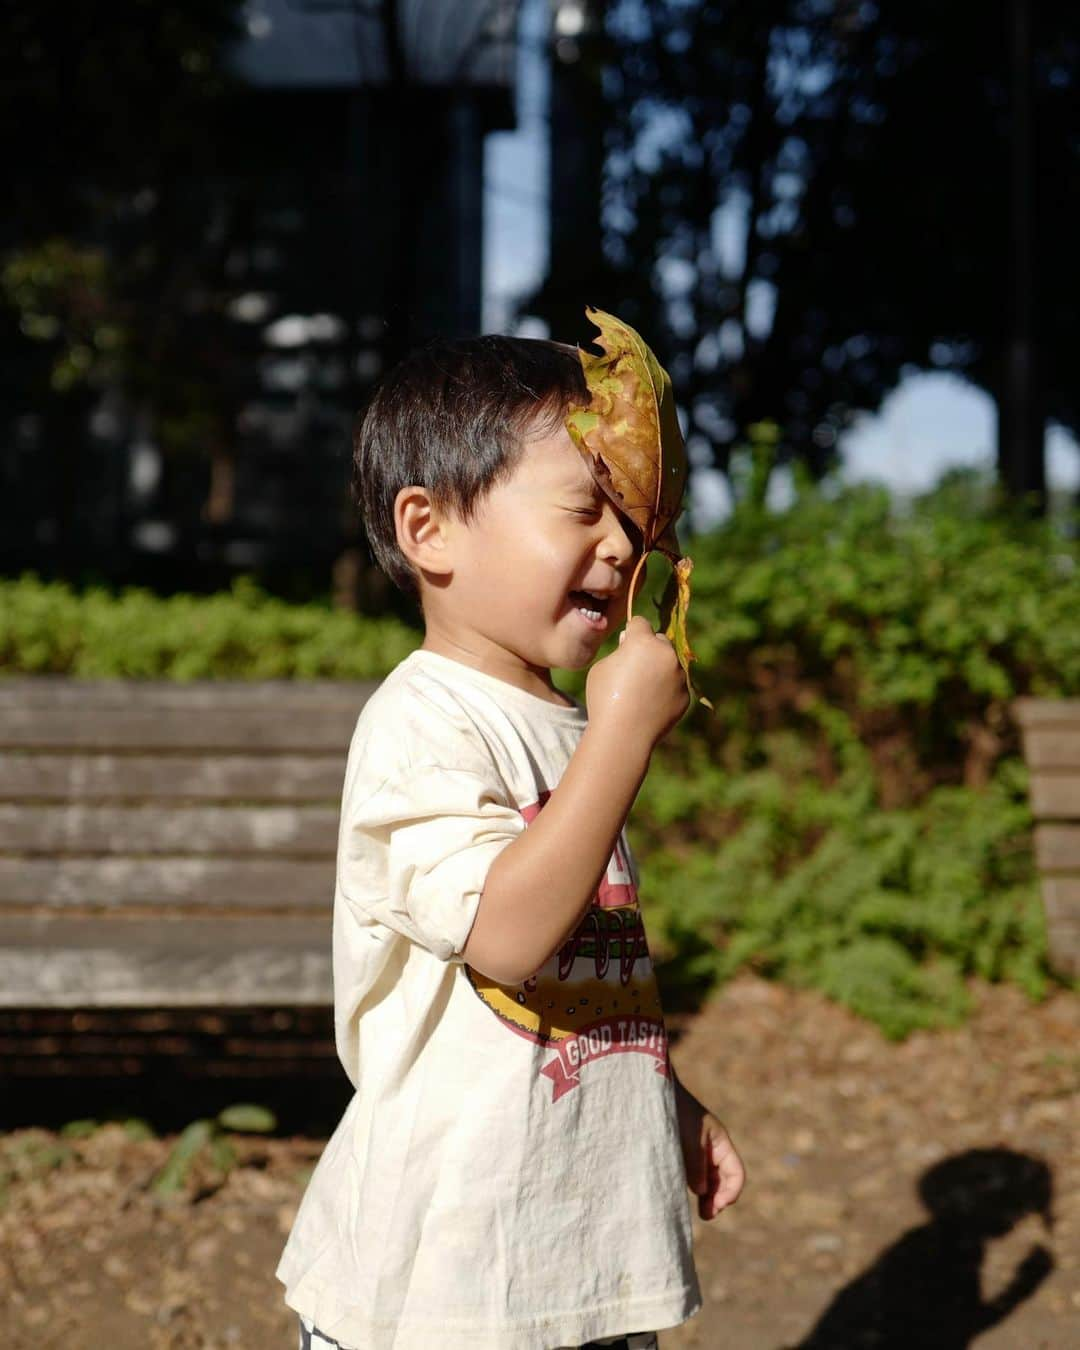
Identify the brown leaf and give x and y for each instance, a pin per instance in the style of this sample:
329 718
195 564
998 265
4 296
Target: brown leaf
629 436
628 432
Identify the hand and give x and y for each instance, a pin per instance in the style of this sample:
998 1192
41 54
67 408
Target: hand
1029 1274
640 686
714 1171
1034 1268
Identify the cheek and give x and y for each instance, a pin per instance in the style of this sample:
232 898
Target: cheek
542 559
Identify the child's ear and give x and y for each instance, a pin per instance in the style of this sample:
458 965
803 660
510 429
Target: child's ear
421 531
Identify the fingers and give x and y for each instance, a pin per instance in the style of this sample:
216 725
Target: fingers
726 1175
724 1191
639 627
732 1178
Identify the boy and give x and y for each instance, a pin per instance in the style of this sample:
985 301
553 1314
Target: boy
508 1174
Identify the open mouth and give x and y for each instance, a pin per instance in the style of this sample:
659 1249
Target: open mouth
593 607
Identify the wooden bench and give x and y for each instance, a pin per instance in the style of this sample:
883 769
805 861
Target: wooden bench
169 845
1051 737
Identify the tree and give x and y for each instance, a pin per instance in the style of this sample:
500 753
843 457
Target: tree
818 191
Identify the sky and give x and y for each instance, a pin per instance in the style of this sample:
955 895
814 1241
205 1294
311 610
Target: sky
931 422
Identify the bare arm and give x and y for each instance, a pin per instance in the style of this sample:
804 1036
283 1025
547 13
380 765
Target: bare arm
540 885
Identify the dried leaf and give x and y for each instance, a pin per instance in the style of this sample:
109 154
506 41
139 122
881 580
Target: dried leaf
629 436
628 432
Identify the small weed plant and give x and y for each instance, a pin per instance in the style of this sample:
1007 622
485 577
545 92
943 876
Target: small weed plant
209 1141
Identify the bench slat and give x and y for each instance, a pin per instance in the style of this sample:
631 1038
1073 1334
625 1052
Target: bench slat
53 692
196 883
1061 898
1039 712
1053 748
212 729
1061 902
50 963
1057 848
178 830
52 777
1044 712
1065 944
1056 796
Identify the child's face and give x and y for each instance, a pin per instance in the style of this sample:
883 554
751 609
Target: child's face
539 540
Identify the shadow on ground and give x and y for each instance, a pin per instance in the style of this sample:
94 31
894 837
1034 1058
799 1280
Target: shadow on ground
926 1289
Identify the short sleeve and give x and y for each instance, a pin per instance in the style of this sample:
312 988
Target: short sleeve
414 855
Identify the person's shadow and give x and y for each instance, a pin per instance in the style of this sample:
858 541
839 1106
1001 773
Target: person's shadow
924 1292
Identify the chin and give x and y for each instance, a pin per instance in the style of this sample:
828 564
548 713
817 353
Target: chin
579 659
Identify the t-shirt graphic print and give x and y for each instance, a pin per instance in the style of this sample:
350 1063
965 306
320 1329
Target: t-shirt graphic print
597 996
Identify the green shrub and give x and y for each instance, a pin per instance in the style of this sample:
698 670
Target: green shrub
854 817
921 626
885 910
242 634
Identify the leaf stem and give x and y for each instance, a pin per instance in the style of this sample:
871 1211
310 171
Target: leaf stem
633 584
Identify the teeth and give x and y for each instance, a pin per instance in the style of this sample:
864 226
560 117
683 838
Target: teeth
593 614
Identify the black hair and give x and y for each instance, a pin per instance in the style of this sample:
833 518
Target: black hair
451 417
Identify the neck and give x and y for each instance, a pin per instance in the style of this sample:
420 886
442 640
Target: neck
479 652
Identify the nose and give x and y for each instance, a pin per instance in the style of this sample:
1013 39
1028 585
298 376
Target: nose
621 541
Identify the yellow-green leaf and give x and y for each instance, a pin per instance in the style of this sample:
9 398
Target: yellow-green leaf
674 607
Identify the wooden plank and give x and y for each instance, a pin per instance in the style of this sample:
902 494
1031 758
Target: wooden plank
1061 899
179 830
156 883
255 729
210 777
52 963
55 692
1063 949
1064 954
1055 796
1053 748
1047 712
1057 848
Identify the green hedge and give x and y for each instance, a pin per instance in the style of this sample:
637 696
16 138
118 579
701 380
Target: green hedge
242 634
854 817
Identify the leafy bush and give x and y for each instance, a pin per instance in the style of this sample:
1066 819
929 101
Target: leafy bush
243 634
885 910
855 815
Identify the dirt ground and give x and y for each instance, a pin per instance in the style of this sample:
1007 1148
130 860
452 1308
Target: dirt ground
900 1196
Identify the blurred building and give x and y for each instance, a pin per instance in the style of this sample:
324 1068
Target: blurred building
339 222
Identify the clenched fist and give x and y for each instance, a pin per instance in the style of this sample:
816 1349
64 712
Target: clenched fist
640 688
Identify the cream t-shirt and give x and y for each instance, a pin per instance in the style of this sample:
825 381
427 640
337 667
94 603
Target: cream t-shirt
507 1175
